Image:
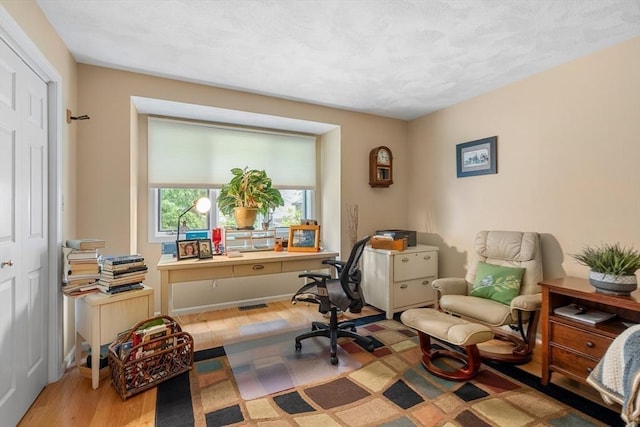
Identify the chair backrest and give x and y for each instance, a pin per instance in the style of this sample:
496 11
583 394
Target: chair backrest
351 275
512 249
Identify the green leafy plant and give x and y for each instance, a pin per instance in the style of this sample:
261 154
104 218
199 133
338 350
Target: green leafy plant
249 188
610 259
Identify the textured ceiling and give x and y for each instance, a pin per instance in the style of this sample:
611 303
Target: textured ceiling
395 58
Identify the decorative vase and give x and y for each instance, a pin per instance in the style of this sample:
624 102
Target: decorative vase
613 285
245 217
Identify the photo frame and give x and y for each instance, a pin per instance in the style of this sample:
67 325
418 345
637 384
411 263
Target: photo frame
479 157
188 249
205 249
304 238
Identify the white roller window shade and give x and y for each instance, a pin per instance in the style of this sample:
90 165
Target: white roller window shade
182 154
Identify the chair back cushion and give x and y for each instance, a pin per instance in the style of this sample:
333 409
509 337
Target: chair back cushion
509 249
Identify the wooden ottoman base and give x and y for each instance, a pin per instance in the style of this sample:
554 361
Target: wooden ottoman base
453 330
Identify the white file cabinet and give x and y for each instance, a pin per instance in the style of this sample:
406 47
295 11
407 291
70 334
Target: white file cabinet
394 281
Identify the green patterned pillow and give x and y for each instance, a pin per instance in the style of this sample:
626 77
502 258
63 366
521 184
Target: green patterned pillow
498 283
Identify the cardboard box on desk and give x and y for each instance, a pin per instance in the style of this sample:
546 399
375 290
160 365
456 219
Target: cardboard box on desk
389 244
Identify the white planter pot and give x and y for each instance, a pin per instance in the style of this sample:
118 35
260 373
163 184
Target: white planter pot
614 285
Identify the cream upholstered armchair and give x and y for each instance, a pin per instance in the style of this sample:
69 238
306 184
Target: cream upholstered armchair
515 254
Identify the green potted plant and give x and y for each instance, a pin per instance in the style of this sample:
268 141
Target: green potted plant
248 193
612 267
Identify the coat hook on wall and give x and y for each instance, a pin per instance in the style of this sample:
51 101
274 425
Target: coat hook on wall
70 117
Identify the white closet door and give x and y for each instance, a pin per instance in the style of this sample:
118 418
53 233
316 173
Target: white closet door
23 236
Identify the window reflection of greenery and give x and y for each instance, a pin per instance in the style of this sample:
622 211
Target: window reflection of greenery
172 202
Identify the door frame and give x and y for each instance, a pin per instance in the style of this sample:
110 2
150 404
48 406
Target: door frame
12 34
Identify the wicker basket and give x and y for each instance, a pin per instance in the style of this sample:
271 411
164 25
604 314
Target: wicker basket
146 364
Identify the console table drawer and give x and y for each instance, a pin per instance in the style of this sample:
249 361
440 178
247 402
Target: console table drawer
257 269
573 363
579 340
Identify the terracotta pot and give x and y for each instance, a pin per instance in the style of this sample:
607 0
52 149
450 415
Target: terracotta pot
245 217
614 285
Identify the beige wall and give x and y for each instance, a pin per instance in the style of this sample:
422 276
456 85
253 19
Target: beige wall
568 150
107 177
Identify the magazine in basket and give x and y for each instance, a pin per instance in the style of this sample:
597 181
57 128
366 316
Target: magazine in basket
152 351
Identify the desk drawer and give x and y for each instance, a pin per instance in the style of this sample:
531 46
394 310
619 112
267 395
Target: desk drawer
257 269
579 340
304 265
571 362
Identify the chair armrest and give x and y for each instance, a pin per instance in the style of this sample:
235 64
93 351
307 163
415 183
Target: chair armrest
339 265
317 277
531 302
450 286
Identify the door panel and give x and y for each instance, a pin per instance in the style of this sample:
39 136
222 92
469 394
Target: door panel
23 236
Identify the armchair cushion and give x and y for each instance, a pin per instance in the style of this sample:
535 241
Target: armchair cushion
497 283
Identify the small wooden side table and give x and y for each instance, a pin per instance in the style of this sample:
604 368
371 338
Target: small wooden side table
100 317
573 348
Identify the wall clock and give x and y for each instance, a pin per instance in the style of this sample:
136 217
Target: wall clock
380 167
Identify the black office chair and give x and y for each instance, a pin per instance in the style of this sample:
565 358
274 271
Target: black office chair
333 294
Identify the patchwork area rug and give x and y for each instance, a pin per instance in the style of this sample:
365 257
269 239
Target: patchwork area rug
390 388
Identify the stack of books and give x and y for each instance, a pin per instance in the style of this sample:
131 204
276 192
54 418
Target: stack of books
122 273
81 267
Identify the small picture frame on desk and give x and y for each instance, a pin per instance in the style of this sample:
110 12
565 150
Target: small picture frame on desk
304 238
204 249
188 249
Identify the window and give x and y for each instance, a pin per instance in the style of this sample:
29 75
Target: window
200 164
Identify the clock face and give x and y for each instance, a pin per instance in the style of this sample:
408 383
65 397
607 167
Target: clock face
383 157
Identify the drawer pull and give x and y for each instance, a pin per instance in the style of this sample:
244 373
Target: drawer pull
405 259
590 344
426 282
257 267
427 257
404 286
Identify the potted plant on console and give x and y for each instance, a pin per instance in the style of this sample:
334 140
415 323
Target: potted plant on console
612 268
249 192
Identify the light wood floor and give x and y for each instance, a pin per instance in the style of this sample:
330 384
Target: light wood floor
72 402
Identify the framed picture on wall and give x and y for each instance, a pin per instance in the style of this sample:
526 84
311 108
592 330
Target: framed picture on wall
188 249
477 157
304 238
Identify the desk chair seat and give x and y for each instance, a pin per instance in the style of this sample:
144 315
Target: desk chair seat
333 294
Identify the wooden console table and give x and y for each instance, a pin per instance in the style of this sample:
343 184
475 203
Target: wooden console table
573 348
222 267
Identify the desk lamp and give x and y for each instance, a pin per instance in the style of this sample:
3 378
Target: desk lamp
202 205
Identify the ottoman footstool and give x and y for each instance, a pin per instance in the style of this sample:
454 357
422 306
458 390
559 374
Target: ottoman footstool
453 330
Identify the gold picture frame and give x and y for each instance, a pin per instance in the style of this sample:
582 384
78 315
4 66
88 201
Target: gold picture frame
304 238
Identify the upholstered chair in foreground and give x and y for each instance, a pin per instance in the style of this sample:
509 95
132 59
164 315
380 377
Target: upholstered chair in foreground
499 290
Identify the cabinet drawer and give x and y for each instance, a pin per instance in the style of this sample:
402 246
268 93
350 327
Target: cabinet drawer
257 269
571 362
579 340
414 265
413 292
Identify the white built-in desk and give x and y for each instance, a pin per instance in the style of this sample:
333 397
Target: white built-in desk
221 267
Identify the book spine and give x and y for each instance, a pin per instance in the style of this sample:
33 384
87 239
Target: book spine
120 261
